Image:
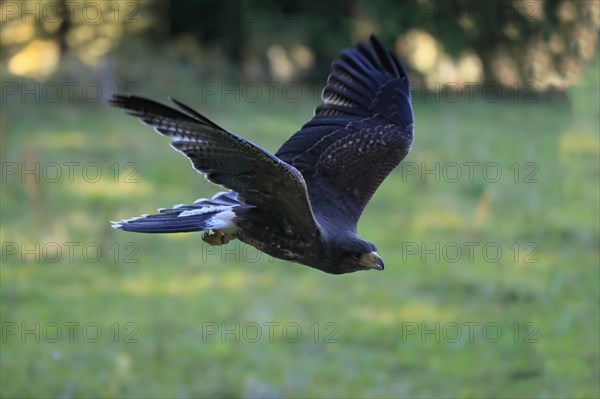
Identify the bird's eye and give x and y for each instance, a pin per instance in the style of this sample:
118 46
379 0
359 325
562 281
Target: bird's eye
356 255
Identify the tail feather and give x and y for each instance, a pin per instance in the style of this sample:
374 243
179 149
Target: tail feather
203 215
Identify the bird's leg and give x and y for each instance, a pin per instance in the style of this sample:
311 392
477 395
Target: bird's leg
227 237
214 237
217 237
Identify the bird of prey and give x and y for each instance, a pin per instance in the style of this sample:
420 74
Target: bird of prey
301 204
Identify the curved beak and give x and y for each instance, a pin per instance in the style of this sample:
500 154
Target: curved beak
372 261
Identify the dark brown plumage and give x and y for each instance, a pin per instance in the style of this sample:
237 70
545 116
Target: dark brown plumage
303 203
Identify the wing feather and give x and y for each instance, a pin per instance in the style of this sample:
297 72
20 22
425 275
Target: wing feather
358 135
257 176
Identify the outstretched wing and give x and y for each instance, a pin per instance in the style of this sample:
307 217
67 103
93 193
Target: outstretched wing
362 131
257 176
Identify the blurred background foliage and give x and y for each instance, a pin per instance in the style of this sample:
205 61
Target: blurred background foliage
546 43
543 212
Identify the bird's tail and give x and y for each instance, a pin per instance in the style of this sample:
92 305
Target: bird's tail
217 213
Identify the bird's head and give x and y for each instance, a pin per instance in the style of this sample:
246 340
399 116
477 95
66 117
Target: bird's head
351 254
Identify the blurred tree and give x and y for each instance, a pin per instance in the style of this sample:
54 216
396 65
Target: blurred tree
513 43
520 41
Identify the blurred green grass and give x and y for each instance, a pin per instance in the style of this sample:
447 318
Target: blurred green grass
178 287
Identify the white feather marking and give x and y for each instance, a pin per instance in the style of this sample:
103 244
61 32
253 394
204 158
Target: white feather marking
223 221
201 211
177 137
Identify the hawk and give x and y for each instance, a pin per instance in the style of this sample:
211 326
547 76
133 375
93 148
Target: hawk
301 204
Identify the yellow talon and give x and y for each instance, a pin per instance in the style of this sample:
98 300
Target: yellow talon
217 237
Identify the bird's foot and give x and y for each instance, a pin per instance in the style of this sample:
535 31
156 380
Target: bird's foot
217 237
